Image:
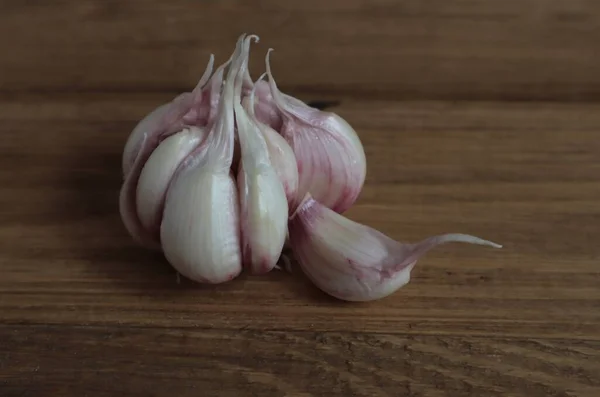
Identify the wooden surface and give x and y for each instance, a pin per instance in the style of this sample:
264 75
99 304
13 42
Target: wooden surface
476 116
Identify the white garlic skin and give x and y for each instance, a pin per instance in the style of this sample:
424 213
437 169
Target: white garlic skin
280 153
285 165
354 262
200 229
264 217
159 171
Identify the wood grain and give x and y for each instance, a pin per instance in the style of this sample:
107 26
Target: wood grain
410 49
477 116
108 361
83 311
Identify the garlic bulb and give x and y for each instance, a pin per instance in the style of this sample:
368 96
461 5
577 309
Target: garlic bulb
200 229
331 159
354 262
263 203
212 177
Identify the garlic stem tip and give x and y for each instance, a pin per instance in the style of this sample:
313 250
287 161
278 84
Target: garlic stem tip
465 238
488 243
268 56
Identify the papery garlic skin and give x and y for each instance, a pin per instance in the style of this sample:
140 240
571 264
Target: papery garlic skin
354 262
263 202
159 171
330 156
200 229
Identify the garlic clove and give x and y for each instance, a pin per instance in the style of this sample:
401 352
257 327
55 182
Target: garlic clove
169 124
284 162
281 154
330 156
264 214
200 229
263 202
164 121
200 226
158 172
354 262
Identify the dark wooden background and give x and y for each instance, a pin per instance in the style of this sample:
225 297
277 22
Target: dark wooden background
477 116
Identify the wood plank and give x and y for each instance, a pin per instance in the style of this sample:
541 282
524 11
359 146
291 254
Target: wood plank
415 49
525 176
109 361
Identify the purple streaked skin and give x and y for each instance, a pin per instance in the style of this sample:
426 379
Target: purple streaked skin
330 156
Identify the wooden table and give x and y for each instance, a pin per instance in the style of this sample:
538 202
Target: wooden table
476 117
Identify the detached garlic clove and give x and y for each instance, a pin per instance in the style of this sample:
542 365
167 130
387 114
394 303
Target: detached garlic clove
331 159
200 230
263 202
158 173
281 154
354 262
